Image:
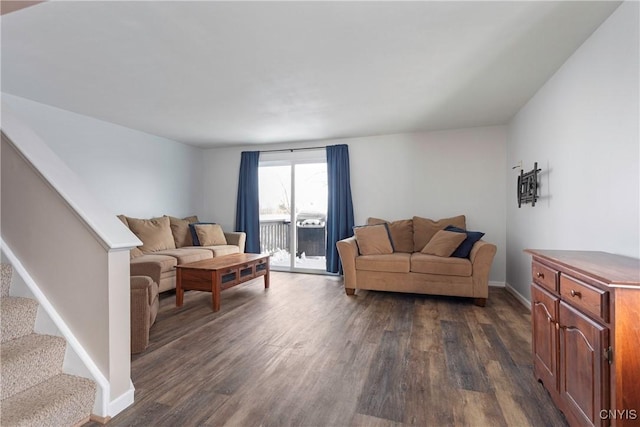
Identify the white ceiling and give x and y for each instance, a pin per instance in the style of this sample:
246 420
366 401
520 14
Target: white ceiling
225 73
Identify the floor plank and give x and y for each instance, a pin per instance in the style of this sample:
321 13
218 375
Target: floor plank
465 368
302 353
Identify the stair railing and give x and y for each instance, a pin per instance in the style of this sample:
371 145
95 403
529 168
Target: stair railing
74 253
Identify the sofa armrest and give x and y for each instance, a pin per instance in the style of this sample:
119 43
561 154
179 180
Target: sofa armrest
348 251
237 238
481 257
142 285
145 268
140 312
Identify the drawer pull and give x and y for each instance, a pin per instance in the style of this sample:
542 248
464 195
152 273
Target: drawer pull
575 293
540 275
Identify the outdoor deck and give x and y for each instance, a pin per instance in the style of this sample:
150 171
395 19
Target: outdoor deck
275 239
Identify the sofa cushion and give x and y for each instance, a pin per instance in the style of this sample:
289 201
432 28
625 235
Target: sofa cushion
219 250
464 250
401 233
154 261
180 230
443 243
373 239
397 262
446 266
135 252
187 255
155 233
210 234
424 229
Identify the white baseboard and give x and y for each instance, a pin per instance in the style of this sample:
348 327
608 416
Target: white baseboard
122 402
524 301
496 284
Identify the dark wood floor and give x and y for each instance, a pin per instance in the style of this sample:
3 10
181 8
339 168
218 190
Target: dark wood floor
302 353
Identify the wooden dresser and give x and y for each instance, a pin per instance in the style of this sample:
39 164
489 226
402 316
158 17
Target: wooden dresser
585 314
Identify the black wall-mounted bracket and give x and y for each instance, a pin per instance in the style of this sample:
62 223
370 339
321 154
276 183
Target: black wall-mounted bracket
528 186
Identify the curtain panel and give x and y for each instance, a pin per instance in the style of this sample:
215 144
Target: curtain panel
248 204
340 207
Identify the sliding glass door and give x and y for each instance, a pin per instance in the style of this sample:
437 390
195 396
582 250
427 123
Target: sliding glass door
293 210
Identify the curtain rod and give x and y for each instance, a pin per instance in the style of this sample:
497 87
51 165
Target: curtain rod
292 149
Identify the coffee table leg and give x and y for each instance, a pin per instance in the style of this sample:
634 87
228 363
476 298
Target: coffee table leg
216 279
179 290
266 276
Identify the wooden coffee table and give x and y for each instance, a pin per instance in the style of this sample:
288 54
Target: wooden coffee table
223 272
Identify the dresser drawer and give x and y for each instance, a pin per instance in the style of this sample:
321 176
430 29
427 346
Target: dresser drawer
585 297
545 276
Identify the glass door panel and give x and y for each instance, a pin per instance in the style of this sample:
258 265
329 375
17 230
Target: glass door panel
275 214
310 200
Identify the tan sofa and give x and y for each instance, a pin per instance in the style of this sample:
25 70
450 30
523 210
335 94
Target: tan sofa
407 269
167 242
144 310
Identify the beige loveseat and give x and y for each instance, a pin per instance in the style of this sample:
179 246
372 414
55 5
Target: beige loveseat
407 269
168 241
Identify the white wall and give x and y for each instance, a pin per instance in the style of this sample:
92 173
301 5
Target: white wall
582 129
429 174
132 172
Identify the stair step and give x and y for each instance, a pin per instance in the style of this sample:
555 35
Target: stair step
6 271
18 317
29 360
64 400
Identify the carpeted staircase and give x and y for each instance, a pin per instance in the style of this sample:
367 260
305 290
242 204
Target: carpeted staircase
33 389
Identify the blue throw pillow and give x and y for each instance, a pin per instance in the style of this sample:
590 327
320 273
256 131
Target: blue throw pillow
194 235
465 247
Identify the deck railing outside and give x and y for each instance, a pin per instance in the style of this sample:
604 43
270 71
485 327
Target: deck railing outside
274 235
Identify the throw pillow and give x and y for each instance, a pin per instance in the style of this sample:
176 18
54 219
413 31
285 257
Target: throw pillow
464 250
123 219
191 219
210 234
443 243
373 239
401 233
135 252
155 233
180 230
424 229
194 235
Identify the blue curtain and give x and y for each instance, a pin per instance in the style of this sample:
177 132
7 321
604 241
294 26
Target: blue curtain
247 208
340 208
